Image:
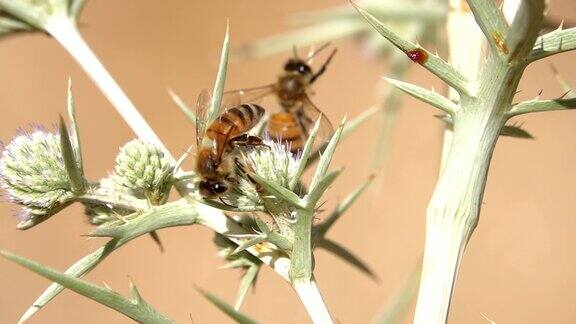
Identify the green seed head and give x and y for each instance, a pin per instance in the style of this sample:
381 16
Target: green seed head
144 168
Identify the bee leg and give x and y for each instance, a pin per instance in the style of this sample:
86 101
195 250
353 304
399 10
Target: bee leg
323 67
242 169
247 141
226 203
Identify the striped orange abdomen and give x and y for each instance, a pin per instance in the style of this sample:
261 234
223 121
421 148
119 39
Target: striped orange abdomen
233 122
285 127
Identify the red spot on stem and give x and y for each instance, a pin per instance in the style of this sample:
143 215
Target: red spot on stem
418 55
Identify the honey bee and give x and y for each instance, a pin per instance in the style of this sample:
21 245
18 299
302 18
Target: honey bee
216 143
298 113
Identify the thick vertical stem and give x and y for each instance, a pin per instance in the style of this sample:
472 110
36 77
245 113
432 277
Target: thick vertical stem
312 301
453 212
66 33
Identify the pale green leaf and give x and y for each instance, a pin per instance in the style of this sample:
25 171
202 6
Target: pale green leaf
248 281
326 157
558 41
77 181
227 309
249 243
280 192
186 110
76 7
569 92
9 25
305 36
137 309
385 10
75 133
318 190
349 128
430 97
343 253
402 299
542 105
237 209
343 206
220 78
513 130
432 63
306 152
172 214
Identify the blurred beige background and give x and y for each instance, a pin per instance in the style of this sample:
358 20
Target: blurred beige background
519 267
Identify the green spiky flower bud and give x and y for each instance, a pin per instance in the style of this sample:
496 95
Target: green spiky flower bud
146 169
34 175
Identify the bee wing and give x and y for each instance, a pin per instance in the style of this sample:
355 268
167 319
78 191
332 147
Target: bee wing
237 97
308 116
202 104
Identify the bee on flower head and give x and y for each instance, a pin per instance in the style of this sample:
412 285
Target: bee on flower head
291 90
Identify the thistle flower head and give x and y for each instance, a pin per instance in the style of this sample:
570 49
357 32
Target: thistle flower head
273 162
33 174
145 168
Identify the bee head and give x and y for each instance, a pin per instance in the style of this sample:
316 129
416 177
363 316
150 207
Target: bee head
298 66
212 188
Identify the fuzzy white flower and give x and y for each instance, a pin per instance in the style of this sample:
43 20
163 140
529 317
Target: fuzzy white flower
273 162
33 174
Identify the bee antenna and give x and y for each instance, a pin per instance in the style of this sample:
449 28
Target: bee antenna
295 51
323 67
314 52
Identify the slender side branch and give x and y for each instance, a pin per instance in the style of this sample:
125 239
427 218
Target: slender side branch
136 308
321 229
431 97
186 110
542 105
558 41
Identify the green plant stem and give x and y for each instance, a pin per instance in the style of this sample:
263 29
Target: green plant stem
302 266
301 271
67 34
